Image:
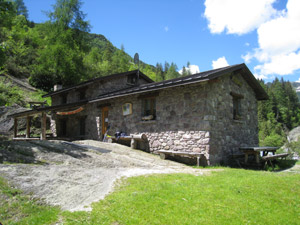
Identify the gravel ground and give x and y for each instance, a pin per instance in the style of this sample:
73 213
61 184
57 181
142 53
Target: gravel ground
73 175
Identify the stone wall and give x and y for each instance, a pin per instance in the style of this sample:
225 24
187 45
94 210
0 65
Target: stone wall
228 134
195 118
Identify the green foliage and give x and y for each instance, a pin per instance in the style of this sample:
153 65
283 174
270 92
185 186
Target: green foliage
273 140
10 95
21 8
279 114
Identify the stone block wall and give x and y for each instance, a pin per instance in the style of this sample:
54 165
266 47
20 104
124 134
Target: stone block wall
195 118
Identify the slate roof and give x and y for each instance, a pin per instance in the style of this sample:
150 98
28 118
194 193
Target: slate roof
83 84
191 79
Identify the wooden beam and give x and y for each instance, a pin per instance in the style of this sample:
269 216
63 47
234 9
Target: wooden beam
15 127
28 119
43 127
25 139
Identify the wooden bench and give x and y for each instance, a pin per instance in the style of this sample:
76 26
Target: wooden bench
133 138
163 154
270 158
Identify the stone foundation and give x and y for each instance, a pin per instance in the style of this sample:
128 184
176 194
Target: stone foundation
188 141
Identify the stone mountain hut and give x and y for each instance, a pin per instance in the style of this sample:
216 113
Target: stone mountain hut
212 112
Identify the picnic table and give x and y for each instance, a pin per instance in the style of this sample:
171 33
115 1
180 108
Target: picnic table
256 151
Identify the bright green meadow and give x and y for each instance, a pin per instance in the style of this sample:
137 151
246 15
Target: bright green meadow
229 196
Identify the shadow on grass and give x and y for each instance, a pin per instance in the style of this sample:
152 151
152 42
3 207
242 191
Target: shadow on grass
281 165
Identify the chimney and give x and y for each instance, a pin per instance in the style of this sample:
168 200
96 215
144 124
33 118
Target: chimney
57 87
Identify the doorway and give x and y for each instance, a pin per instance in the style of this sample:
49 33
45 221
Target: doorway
104 122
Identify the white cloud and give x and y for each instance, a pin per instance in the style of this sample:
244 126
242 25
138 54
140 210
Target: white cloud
281 35
261 77
220 62
236 16
298 81
279 43
283 64
166 28
278 31
192 69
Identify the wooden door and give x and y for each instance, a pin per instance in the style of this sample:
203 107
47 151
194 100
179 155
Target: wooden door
104 120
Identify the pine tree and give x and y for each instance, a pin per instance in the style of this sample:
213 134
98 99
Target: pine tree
61 59
21 8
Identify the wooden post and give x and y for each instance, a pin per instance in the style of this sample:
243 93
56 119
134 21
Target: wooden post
246 157
133 143
43 126
257 157
198 161
15 127
28 126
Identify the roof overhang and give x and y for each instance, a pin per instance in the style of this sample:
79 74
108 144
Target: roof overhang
48 109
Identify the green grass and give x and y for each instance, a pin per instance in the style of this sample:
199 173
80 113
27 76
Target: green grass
18 208
228 197
231 196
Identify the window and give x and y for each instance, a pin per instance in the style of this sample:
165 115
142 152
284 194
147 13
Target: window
237 114
132 79
149 108
237 105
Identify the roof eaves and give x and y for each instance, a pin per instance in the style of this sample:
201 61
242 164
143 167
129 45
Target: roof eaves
49 108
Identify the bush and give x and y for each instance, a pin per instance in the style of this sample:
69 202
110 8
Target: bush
273 140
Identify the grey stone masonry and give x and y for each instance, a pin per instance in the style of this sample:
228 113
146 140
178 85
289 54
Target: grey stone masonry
196 117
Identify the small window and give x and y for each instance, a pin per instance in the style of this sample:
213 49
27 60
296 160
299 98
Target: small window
237 112
149 108
132 79
237 105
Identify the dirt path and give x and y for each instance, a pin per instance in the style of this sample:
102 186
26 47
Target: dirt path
74 176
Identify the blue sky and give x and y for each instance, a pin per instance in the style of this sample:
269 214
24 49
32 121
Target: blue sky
264 34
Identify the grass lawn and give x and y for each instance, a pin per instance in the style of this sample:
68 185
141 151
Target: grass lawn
233 196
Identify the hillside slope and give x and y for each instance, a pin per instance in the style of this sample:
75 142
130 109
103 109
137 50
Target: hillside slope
15 95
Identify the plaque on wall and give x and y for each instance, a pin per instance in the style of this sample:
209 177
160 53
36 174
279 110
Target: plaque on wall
127 109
